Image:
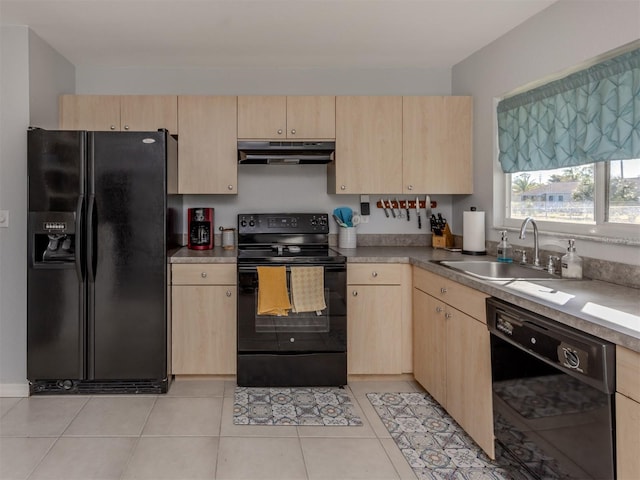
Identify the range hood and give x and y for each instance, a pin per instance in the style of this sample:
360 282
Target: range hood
264 152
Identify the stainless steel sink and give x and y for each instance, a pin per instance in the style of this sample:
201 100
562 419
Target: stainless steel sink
490 270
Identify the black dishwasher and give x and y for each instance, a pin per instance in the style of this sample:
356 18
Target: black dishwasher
553 395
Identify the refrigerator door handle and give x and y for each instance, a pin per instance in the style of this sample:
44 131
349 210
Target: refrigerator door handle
91 240
79 239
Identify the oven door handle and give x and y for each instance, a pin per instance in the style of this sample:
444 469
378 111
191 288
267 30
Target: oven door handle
327 268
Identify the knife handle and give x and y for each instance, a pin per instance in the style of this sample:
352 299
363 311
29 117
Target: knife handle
419 221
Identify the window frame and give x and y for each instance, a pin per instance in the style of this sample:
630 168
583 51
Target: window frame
601 230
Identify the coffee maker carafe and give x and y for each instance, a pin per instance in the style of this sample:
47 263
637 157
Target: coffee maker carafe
200 228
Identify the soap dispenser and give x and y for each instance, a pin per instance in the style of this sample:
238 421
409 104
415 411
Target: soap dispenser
571 262
505 251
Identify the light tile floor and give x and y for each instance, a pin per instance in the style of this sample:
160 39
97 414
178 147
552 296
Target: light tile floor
188 434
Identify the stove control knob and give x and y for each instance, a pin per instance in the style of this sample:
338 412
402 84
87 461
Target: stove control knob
313 221
292 339
252 223
243 223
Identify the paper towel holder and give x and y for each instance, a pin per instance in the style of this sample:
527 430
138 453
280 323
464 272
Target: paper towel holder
468 251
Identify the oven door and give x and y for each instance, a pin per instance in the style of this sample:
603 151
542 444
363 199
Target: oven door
297 332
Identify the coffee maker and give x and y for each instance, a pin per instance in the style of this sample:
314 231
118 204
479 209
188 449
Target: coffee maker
200 228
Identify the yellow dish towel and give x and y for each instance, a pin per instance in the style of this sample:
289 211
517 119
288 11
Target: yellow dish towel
307 289
272 291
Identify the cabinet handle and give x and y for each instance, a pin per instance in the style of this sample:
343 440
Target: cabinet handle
343 187
279 131
447 315
126 127
409 187
354 293
374 274
230 187
228 293
113 127
439 309
203 274
293 131
443 290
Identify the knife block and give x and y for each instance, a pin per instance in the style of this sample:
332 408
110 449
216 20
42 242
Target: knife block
442 241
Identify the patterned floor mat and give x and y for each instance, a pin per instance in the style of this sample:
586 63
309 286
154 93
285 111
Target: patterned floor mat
435 446
294 406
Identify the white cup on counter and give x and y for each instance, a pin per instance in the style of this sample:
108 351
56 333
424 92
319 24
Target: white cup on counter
228 238
347 237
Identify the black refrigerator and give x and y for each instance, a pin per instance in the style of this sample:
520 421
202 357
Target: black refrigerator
100 224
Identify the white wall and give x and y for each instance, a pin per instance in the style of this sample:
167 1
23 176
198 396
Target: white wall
278 188
50 74
14 120
563 36
22 93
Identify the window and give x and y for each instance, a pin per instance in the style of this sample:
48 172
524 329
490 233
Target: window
532 195
570 150
605 195
623 192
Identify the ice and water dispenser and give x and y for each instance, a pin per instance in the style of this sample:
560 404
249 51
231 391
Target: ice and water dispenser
53 238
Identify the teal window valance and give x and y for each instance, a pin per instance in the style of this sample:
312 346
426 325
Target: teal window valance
589 116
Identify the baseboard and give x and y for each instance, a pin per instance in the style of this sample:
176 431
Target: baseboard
400 377
14 389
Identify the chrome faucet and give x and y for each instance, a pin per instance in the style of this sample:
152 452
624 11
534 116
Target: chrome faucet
536 251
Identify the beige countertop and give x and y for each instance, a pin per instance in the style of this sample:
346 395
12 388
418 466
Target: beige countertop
606 310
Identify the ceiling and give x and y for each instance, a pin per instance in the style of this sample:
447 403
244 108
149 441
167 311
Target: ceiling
269 33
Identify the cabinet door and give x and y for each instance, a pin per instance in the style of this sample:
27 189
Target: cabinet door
311 117
262 117
207 150
628 372
469 395
429 352
374 331
204 329
142 113
437 145
368 145
627 437
89 112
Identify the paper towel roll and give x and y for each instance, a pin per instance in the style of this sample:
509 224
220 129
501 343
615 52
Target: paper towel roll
473 233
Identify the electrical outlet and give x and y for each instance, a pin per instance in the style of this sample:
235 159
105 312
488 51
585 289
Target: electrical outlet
4 218
364 206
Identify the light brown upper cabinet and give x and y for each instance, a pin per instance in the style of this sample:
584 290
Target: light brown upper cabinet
286 117
119 112
368 145
437 145
207 149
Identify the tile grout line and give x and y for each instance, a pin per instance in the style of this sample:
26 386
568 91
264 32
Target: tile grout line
138 439
57 438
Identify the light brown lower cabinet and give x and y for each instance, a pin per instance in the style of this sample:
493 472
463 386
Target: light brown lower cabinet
203 306
627 413
627 438
379 313
451 354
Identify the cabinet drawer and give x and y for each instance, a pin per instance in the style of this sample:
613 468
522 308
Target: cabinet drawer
203 274
628 372
465 299
374 274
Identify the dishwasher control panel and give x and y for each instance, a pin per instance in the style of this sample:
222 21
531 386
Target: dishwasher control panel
557 344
